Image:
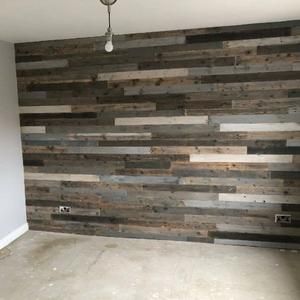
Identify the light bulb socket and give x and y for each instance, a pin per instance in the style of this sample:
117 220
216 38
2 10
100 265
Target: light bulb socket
109 34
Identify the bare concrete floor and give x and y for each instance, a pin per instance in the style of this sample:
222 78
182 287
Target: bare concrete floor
61 266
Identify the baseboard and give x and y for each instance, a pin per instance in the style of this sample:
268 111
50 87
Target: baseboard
13 235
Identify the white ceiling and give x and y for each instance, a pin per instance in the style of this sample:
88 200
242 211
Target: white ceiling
35 20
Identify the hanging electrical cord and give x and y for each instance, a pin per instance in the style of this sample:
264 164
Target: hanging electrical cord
109 47
109 13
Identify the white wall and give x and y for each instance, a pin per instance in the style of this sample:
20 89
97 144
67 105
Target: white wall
12 196
20 21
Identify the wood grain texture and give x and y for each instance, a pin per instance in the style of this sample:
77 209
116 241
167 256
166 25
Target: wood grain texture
261 127
160 121
139 75
251 158
189 135
44 64
45 109
33 129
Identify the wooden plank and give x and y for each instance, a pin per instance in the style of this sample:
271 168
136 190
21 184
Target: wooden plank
249 119
62 177
233 220
145 106
271 49
260 127
251 77
45 109
140 179
250 86
230 181
259 198
177 89
155 42
33 129
45 64
253 158
33 95
296 159
88 150
198 150
296 30
161 121
263 41
277 104
293 143
245 33
210 87
118 136
147 74
92 136
242 69
267 189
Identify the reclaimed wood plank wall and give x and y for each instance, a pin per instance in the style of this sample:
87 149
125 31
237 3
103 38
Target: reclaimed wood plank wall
189 135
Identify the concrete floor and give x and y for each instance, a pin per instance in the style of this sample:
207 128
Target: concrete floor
61 266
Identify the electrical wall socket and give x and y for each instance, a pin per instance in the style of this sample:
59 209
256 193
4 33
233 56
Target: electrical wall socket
65 209
283 219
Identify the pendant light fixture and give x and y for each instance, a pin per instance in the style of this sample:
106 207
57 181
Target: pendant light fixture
109 47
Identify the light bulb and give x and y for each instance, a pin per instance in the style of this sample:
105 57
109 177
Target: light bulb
109 47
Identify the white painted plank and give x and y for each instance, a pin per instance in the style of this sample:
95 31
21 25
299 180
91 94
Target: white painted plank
33 129
260 198
260 127
45 109
183 120
199 150
208 200
250 119
146 74
251 158
61 177
263 41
